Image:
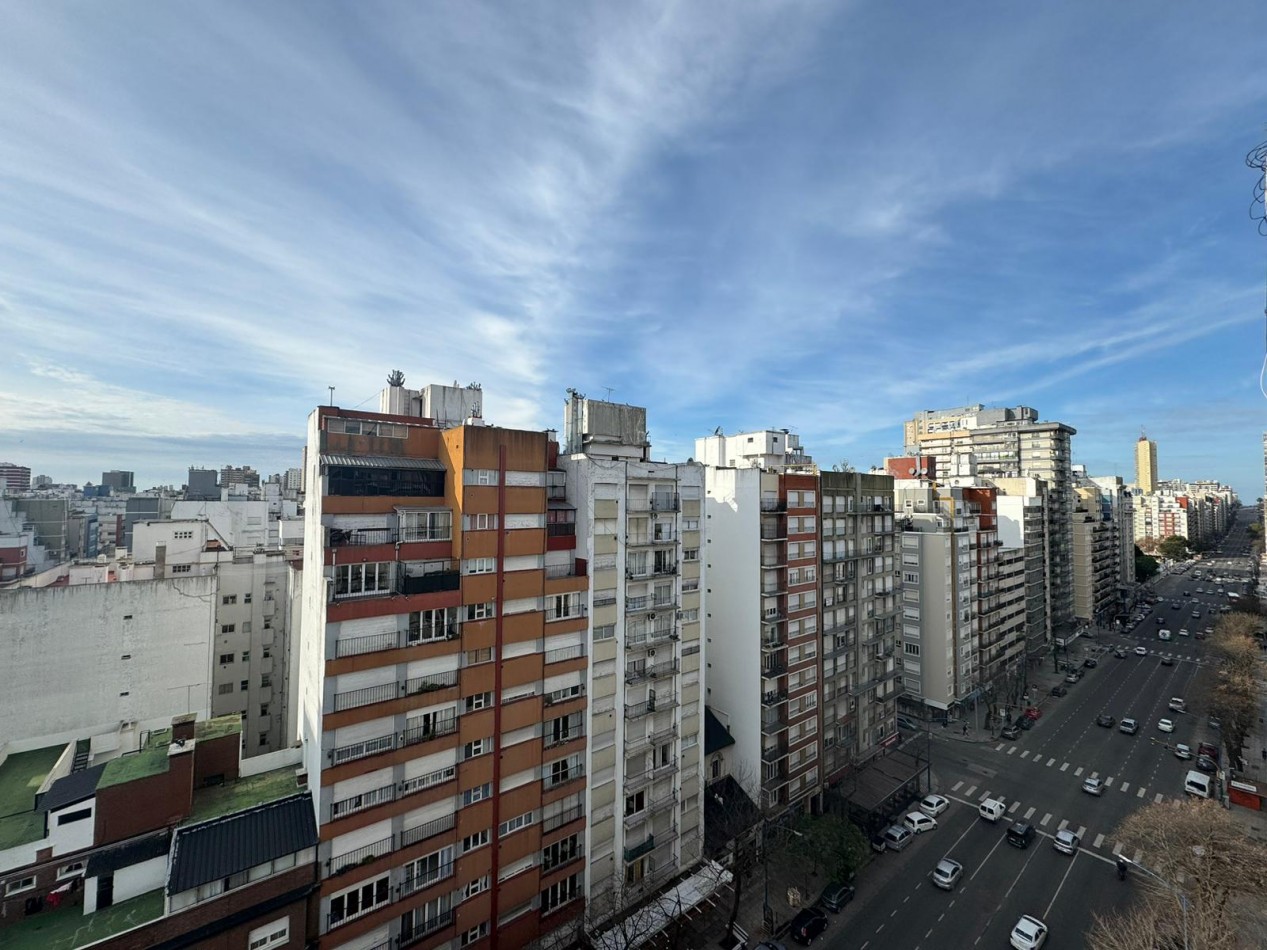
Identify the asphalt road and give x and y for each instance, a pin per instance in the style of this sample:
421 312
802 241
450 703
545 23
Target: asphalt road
1039 777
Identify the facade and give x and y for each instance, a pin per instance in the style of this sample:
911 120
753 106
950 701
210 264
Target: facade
443 670
14 478
1119 502
1023 525
49 518
639 529
1146 465
151 506
1096 549
1012 443
860 617
119 481
245 477
80 659
203 485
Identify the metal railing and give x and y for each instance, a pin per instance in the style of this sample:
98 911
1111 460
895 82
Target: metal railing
427 830
575 611
555 822
425 733
357 803
647 707
435 582
430 683
365 696
563 654
415 932
342 863
362 749
563 570
570 774
356 537
355 646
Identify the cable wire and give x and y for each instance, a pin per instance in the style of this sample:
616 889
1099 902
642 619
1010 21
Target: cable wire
1257 160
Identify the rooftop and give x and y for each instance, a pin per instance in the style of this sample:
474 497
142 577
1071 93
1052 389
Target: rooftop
21 775
219 727
244 793
150 760
67 927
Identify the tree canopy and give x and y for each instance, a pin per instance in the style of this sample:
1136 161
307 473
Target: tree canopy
1173 547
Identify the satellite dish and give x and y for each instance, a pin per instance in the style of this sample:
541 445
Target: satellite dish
912 471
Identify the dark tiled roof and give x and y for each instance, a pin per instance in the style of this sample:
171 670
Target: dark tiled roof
72 788
127 854
224 846
716 736
381 461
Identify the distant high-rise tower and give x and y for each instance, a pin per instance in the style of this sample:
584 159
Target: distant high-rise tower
1146 465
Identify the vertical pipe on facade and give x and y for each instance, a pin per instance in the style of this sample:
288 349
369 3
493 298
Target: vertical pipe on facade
499 611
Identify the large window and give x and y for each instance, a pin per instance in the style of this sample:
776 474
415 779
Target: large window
355 480
426 525
271 935
426 871
360 580
359 900
556 895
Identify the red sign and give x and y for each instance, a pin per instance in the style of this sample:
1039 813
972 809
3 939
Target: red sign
891 741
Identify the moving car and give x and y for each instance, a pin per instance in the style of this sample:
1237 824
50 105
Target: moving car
1165 725
835 896
1010 732
1030 933
1119 653
918 822
1183 632
1141 651
1182 751
934 805
808 924
1066 842
1072 677
1090 663
1178 704
947 873
991 809
1104 719
1020 834
1093 786
1059 690
1129 726
1167 661
1195 783
1163 634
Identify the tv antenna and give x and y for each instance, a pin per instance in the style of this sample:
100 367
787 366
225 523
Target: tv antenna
609 392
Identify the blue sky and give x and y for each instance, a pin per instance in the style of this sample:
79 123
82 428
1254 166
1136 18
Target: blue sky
823 216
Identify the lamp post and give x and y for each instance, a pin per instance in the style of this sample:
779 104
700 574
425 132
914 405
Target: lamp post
1174 889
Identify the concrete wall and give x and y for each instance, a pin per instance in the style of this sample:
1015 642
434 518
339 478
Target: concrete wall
81 659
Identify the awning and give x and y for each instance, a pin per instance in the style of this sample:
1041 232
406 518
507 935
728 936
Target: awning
382 461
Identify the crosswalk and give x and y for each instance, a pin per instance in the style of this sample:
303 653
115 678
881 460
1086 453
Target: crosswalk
974 795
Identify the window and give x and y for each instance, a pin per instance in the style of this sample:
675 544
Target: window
270 935
246 656
480 611
360 900
426 871
480 476
520 821
245 685
477 886
563 729
229 599
246 598
228 627
564 770
481 522
20 885
556 895
263 739
561 852
473 935
263 709
266 679
910 649
359 580
477 748
227 657
246 626
224 689
475 657
74 869
635 803
690 524
181 568
690 554
426 525
73 816
479 701
477 794
477 840
479 565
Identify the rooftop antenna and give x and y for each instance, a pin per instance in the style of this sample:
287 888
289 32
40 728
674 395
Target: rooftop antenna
609 393
331 388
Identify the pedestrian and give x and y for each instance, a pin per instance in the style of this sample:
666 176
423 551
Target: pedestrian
965 732
1265 755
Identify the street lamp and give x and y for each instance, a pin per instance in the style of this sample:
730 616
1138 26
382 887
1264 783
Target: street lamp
1174 889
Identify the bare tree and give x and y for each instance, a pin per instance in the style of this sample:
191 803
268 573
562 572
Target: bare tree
1234 698
1200 875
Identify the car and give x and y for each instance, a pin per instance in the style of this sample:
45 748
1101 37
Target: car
770 945
1090 663
1119 653
1182 751
1161 619
1033 712
1129 726
1178 704
1093 786
808 924
947 873
1104 719
1208 749
1141 651
1066 842
1025 723
1167 661
1072 677
1020 834
906 722
1030 933
934 805
1011 732
1207 764
878 844
835 896
1165 725
1200 634
897 837
1183 632
1059 690
1163 634
1186 594
918 822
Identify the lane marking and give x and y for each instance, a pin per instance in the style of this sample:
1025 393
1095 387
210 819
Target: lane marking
1065 767
1139 857
1078 771
1025 754
1157 799
1140 793
983 796
1030 813
1015 805
1064 823
999 747
1094 775
1012 751
956 786
1099 840
972 790
1051 762
1082 830
1108 782
1046 818
1065 877
1125 786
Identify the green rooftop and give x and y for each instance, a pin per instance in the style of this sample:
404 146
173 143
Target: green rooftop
150 760
21 776
218 727
68 927
245 792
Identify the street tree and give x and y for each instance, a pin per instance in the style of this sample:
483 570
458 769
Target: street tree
1146 567
1146 546
1208 881
831 845
1234 701
1173 547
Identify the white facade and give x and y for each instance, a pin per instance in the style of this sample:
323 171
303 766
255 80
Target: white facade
766 448
79 660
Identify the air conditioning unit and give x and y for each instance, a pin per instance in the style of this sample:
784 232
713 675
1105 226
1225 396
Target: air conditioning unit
651 651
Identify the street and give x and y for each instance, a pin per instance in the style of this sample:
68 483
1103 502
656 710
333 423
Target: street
1039 777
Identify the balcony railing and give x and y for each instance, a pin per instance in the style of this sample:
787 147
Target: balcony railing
561 530
773 697
416 931
356 537
773 753
563 654
564 858
572 612
638 850
407 584
666 501
604 598
564 570
428 830
425 733
647 707
774 504
551 741
554 822
635 743
570 774
356 803
772 721
430 683
340 864
355 646
362 749
773 668
365 696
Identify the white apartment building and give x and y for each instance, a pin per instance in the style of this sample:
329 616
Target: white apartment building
1024 524
639 529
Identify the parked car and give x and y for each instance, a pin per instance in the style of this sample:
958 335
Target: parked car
1030 933
1119 653
1066 842
947 873
1129 726
878 844
934 805
1033 712
1167 661
897 837
807 925
1208 749
1010 732
918 822
1071 677
1025 723
1105 720
1090 663
836 895
1059 690
1093 786
1020 834
1141 651
1207 764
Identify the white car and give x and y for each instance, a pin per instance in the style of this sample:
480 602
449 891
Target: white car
1184 632
1182 751
1066 842
1165 725
918 822
934 805
947 873
1141 651
1030 933
1093 786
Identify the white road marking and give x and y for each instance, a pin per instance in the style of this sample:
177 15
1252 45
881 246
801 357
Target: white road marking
1082 830
1094 775
1064 823
1125 786
1140 793
1108 782
1012 808
1117 848
956 786
1025 754
1047 912
1139 857
1030 813
984 795
1012 751
1065 767
1157 799
1099 840
1051 762
1046 818
972 790
999 747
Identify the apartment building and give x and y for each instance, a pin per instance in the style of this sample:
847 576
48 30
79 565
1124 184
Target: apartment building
443 677
1095 560
762 554
14 478
859 579
1023 525
639 529
1117 504
1146 464
1012 443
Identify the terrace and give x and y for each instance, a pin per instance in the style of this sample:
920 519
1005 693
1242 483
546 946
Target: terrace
68 927
21 776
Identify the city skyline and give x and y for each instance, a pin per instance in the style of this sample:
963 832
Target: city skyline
829 222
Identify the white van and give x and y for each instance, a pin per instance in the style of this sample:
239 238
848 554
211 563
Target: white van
1197 783
1163 634
992 809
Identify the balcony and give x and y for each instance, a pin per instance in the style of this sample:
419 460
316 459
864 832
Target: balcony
575 611
414 735
362 749
774 641
664 568
562 777
555 822
638 850
666 501
359 537
432 583
773 721
773 668
341 864
428 830
773 697
774 504
416 931
430 683
652 672
774 533
645 540
564 654
356 646
773 616
773 753
571 569
646 708
365 697
636 743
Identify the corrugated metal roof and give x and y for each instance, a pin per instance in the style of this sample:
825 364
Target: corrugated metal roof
224 846
127 854
381 461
